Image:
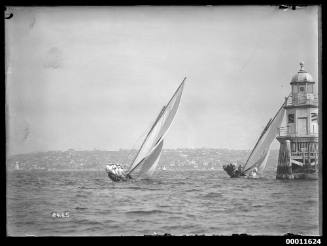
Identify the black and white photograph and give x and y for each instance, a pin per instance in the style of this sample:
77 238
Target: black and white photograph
163 120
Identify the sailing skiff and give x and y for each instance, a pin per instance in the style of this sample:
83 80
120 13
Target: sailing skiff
148 155
257 160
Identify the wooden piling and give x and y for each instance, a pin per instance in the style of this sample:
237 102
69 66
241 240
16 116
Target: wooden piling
284 167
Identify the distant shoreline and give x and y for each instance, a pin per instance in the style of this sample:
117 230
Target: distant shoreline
180 159
128 150
99 170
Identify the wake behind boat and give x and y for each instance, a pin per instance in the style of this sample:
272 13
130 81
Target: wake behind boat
148 155
257 160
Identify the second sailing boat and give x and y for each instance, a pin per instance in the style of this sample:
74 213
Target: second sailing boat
148 155
257 159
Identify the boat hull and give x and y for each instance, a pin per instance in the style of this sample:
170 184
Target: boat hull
232 171
117 178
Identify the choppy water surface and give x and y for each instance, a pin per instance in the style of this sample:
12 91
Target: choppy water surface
179 203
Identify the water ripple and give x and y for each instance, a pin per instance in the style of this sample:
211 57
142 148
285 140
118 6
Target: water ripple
172 202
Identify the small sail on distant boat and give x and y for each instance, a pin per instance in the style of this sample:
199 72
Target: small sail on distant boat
148 155
257 159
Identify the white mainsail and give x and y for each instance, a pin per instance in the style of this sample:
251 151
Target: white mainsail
149 152
259 155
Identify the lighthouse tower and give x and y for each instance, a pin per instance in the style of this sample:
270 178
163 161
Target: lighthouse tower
298 153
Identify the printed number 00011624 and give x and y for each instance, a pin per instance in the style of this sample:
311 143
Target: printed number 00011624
303 241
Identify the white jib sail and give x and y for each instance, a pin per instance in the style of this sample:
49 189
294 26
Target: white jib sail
258 157
151 162
158 129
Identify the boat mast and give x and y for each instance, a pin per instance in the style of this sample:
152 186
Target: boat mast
176 91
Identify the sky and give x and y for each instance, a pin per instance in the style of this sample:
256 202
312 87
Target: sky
96 77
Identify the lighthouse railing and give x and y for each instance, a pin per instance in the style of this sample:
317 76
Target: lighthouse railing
300 155
302 100
284 132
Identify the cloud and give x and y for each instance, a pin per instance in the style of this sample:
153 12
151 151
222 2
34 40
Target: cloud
53 58
26 133
32 23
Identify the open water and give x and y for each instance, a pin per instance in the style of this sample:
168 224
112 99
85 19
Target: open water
178 203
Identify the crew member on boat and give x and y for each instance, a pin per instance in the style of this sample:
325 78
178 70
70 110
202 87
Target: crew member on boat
233 170
253 173
239 170
116 173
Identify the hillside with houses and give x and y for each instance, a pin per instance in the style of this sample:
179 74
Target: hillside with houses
171 159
